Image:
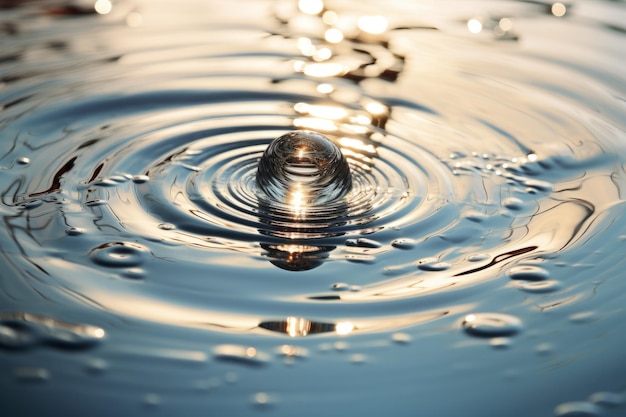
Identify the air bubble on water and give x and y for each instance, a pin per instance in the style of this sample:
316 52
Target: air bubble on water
166 226
491 324
74 231
528 273
607 399
340 286
577 409
432 264
401 338
363 243
540 286
151 400
120 254
513 203
246 355
31 374
302 168
96 366
140 179
23 160
404 243
583 317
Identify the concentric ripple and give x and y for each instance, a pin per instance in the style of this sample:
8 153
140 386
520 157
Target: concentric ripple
478 180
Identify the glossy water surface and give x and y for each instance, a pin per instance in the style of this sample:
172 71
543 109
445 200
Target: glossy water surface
456 249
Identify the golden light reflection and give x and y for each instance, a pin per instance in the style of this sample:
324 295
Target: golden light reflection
322 54
297 326
373 24
505 24
311 6
357 144
103 7
344 328
297 201
312 123
325 88
375 108
558 9
329 17
474 25
134 19
333 35
321 111
328 69
305 46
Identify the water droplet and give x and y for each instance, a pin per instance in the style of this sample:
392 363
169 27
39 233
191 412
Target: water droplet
607 399
528 273
513 203
404 243
23 160
140 179
401 338
363 243
432 264
119 254
246 355
302 168
477 257
167 226
577 409
539 287
491 324
355 288
32 374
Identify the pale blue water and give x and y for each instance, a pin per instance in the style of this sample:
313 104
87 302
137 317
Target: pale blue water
475 266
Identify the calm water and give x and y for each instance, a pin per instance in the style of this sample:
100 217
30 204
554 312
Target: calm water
470 264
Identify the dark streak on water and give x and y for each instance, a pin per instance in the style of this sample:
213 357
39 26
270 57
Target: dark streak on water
475 266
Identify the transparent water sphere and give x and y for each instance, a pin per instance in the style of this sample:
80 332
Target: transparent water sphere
303 168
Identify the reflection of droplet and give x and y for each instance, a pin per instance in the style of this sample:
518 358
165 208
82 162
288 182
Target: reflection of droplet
119 254
23 160
432 264
491 324
363 243
302 168
74 231
140 179
403 243
513 203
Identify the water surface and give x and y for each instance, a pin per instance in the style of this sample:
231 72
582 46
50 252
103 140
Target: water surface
473 264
